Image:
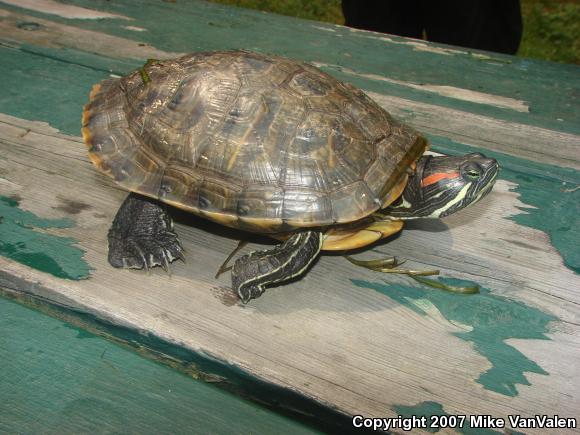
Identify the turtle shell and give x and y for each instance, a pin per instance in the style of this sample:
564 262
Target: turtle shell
257 142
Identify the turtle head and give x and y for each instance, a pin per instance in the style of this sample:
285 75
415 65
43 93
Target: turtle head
443 185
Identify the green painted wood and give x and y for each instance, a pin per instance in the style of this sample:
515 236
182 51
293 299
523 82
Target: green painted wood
22 239
429 409
541 183
551 90
33 83
36 78
57 378
492 320
551 194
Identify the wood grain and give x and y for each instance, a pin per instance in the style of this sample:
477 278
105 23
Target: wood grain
529 142
356 341
348 347
59 379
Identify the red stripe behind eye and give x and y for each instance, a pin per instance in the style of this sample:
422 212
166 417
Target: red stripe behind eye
434 178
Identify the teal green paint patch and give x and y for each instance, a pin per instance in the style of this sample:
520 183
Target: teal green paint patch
97 63
551 193
52 381
493 319
551 90
429 409
64 77
21 241
35 82
180 361
557 213
423 409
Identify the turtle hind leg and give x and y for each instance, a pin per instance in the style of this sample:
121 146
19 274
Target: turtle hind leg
253 272
142 235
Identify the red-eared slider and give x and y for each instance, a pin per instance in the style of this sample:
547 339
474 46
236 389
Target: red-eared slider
268 145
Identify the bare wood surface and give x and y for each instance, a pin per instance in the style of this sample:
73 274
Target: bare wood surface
356 348
349 347
530 142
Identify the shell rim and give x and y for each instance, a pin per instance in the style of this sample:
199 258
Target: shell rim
397 181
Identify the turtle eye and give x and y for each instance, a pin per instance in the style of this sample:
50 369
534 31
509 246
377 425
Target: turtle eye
472 171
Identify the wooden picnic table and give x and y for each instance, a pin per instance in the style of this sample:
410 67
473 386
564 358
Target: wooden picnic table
343 341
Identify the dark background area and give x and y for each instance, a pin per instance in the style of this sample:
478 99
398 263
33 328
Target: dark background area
551 27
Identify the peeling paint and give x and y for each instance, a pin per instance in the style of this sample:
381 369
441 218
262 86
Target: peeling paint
418 45
424 46
56 35
443 90
429 409
135 28
326 29
192 28
493 320
96 385
21 240
62 10
550 207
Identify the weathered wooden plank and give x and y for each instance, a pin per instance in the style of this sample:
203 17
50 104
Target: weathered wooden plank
444 90
53 35
525 141
363 346
66 11
522 140
549 90
57 378
360 342
70 68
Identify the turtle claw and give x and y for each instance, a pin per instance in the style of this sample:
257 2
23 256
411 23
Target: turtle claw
165 262
224 267
181 256
141 236
144 253
390 264
376 265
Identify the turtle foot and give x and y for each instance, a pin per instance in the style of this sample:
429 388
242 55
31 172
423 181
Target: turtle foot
142 236
145 253
255 271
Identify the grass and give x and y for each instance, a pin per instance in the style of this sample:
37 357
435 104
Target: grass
551 30
551 27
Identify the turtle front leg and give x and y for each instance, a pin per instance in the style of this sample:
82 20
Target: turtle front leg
142 235
253 272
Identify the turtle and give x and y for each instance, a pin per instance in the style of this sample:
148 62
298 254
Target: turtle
268 145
